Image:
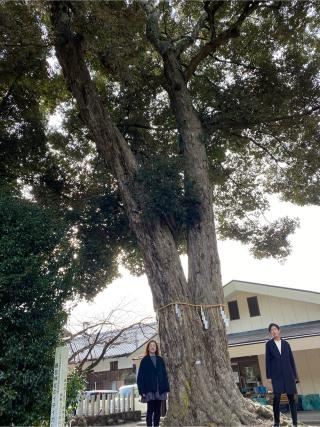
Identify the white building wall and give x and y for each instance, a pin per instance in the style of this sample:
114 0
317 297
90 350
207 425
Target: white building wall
283 311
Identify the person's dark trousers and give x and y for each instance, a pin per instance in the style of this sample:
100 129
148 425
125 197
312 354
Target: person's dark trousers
293 409
276 409
153 408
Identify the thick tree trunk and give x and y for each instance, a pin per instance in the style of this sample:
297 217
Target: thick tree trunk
204 265
203 391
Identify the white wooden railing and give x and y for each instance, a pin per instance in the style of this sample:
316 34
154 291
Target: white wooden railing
105 404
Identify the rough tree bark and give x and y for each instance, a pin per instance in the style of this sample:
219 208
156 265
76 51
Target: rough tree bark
203 391
207 392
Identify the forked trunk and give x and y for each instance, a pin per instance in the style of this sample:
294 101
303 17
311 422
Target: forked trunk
193 342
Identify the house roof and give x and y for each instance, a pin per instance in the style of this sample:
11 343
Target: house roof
129 341
297 330
271 290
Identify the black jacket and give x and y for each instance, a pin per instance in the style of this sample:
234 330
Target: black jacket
281 367
150 376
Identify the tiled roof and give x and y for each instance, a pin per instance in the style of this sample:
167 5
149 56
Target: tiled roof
128 342
287 331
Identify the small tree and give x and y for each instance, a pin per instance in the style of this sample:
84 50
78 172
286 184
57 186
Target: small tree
76 385
89 345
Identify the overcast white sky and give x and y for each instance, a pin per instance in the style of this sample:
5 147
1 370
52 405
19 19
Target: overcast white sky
300 270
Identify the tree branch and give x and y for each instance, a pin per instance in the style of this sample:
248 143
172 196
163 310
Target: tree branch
216 125
210 10
10 90
265 149
97 338
232 32
91 347
240 64
152 28
188 40
23 44
211 7
116 152
107 345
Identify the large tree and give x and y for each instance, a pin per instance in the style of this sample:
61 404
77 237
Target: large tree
193 108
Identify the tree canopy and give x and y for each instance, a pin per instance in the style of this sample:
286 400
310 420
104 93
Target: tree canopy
257 96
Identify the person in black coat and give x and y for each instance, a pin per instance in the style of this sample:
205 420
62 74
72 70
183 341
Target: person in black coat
153 384
281 371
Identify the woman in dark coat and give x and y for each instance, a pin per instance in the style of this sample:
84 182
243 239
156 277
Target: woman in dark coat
153 382
281 371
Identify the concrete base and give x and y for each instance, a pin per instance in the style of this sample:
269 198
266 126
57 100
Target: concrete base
106 420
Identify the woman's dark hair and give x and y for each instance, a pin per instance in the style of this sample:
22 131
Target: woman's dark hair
147 348
273 324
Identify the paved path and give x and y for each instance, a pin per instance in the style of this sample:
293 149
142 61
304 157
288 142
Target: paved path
307 417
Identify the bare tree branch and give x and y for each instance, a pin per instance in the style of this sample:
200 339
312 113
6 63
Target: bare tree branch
91 347
106 346
104 338
83 331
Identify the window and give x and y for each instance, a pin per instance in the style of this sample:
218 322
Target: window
233 310
114 366
253 306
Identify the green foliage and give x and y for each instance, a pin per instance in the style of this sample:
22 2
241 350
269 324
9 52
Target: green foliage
76 385
257 97
168 198
22 72
160 176
35 277
264 240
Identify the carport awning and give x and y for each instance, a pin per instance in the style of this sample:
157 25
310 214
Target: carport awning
297 330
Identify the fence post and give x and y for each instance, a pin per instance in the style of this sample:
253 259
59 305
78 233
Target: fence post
92 402
97 404
79 411
119 403
86 405
104 404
